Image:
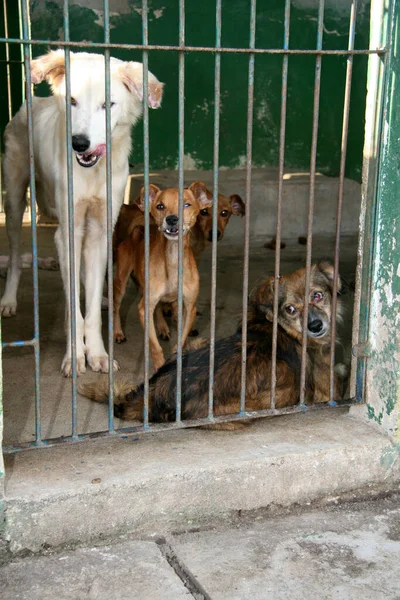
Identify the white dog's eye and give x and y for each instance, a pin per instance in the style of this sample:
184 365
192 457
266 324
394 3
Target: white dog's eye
111 105
73 102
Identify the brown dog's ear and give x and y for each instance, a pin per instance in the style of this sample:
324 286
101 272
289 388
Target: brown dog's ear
153 193
51 67
199 191
262 298
327 270
237 204
131 75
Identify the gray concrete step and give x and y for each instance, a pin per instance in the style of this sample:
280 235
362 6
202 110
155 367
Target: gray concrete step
158 483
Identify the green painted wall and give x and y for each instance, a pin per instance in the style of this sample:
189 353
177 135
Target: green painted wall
86 24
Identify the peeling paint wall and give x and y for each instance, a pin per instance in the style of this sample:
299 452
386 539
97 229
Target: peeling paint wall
383 364
86 21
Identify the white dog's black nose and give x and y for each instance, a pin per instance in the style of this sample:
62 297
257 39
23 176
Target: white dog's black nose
80 143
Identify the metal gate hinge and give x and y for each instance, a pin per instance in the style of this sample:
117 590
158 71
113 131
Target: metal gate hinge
361 350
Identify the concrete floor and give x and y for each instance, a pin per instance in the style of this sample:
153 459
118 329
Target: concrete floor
18 364
337 552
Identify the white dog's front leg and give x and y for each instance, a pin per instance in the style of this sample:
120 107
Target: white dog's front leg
61 239
95 257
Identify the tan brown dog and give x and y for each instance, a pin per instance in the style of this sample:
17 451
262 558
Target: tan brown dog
201 233
228 358
163 261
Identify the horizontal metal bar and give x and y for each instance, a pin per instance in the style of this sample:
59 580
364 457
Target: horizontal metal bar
93 45
20 343
248 415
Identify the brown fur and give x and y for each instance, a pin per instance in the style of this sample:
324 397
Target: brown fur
227 378
163 262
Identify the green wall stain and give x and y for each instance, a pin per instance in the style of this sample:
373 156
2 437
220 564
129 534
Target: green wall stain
47 23
389 456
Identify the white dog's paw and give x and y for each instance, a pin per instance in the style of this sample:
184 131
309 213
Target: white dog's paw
341 370
66 366
8 308
100 363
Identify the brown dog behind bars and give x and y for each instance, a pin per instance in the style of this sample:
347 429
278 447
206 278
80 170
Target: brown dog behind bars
227 378
163 286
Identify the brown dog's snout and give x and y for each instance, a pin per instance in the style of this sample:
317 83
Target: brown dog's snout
315 325
210 235
172 220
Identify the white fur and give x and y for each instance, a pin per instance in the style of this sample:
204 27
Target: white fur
89 184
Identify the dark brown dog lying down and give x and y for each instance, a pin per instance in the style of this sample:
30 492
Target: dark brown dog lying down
227 377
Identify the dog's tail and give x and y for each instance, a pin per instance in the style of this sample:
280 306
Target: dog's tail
128 400
98 390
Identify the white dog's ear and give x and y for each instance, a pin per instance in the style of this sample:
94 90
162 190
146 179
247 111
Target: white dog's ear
153 192
201 193
51 67
131 74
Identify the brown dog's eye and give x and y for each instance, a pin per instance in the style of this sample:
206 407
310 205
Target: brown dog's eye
73 102
204 212
160 207
224 213
291 310
186 205
317 296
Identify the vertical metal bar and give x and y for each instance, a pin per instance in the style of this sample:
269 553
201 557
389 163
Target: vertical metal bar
9 100
25 34
345 130
217 92
146 146
71 222
180 213
109 220
249 147
317 87
279 206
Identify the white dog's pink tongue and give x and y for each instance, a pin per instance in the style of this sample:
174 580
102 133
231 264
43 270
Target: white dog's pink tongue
100 150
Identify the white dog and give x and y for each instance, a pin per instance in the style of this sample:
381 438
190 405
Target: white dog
89 178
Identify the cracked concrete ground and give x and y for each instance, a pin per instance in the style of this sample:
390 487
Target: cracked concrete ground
335 552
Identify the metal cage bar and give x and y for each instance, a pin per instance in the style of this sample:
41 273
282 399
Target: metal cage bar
314 141
181 118
35 276
278 231
217 103
249 146
74 293
345 132
109 221
146 147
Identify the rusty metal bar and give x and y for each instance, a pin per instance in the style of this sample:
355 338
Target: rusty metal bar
8 61
314 141
249 147
109 220
159 427
180 213
345 131
279 205
183 48
71 225
35 276
146 142
217 102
